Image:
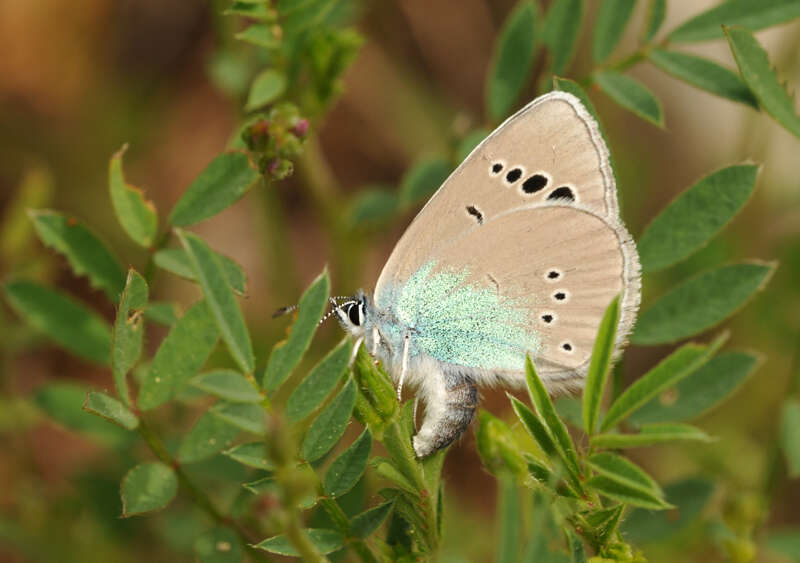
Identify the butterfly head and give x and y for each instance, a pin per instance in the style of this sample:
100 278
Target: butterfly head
351 313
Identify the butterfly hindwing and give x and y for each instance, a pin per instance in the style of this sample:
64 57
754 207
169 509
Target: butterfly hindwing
559 264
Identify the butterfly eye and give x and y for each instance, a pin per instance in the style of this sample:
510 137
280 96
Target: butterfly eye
354 314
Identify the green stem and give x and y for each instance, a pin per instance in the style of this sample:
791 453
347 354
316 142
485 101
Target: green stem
198 497
150 267
301 542
625 63
341 521
775 471
294 486
325 192
280 262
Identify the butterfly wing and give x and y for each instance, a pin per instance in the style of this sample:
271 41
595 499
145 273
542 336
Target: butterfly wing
537 196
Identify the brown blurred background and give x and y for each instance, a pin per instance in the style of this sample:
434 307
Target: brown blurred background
78 79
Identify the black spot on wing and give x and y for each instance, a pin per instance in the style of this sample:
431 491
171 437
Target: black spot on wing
562 193
472 210
534 184
513 175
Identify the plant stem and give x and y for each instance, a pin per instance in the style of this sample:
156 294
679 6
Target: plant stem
625 63
775 471
198 497
301 541
150 267
341 521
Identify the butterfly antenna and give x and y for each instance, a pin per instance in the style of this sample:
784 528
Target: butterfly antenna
336 306
284 311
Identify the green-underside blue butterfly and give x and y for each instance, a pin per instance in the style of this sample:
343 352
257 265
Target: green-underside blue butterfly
519 252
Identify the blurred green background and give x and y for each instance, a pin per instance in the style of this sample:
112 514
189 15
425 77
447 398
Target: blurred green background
78 79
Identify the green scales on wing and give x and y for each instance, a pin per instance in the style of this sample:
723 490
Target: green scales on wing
461 324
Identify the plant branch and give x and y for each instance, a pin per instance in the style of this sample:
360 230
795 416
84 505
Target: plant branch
197 496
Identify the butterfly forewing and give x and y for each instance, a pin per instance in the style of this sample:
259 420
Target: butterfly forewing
531 214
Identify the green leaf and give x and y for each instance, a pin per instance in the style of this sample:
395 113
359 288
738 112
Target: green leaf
575 546
136 214
423 179
705 74
761 78
220 300
695 395
508 518
540 471
655 17
318 384
260 35
62 402
86 253
249 9
689 495
148 487
251 454
609 25
110 409
597 375
605 522
701 302
785 542
222 183
218 545
623 471
695 216
209 436
128 332
570 409
267 87
631 95
750 14
497 447
561 28
244 416
229 385
67 322
287 354
386 469
544 406
329 426
162 313
179 357
790 436
363 524
469 142
347 469
619 479
326 541
372 207
176 261
680 364
35 190
534 426
512 60
261 486
650 435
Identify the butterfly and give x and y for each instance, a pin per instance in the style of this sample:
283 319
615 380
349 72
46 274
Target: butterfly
518 253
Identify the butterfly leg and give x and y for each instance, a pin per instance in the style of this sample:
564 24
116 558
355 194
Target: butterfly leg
451 398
